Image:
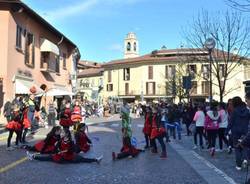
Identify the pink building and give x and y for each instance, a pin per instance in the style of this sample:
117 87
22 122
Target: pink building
33 52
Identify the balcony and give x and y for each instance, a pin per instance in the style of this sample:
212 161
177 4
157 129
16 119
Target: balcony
49 63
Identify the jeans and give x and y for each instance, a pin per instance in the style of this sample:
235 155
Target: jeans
199 131
222 137
160 140
240 153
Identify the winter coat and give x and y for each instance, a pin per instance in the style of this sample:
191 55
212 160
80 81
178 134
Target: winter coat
212 121
239 121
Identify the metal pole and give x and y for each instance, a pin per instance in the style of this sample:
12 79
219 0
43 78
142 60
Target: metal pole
210 82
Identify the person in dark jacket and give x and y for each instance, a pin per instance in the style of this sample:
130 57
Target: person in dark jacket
238 125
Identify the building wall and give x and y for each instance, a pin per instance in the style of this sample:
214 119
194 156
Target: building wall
13 60
139 77
93 84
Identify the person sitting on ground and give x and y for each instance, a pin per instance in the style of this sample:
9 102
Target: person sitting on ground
65 152
83 143
47 145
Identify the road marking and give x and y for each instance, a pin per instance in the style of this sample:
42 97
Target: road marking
140 126
12 165
213 167
3 138
210 173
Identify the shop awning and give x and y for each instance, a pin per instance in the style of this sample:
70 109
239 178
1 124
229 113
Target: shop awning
56 92
48 46
23 86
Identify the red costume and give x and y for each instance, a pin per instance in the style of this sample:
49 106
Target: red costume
156 129
76 114
147 125
82 142
47 145
26 122
66 151
65 119
15 124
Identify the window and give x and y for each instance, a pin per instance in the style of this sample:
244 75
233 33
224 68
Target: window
44 60
109 87
19 37
128 46
126 88
150 72
30 50
150 88
169 71
126 74
135 46
168 89
221 70
109 76
64 61
194 87
192 70
205 87
205 71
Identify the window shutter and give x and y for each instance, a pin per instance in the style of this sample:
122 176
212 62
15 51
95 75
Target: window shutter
147 88
150 72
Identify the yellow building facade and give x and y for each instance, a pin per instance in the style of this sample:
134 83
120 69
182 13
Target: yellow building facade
159 76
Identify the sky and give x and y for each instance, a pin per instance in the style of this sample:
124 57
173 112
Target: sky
98 27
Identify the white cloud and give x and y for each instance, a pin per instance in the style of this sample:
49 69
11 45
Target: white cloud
72 10
115 47
84 6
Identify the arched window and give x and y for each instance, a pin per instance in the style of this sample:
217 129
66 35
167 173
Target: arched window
134 46
128 46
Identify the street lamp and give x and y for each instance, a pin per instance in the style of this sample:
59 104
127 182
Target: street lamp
210 45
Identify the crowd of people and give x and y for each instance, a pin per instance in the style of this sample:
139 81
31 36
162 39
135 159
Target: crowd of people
227 124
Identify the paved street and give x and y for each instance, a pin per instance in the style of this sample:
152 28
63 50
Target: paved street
183 166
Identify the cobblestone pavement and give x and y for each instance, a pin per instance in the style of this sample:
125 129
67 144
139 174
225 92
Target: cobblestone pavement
146 168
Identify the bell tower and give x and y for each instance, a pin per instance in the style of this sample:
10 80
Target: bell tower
131 47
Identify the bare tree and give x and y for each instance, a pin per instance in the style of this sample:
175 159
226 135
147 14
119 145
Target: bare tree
242 5
231 33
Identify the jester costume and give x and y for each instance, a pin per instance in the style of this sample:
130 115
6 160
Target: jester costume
127 149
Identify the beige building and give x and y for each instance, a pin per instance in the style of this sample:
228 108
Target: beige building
90 81
33 52
150 77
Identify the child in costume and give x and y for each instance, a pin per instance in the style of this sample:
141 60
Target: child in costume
127 149
14 126
147 127
76 116
83 143
158 132
65 152
65 117
25 125
48 145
